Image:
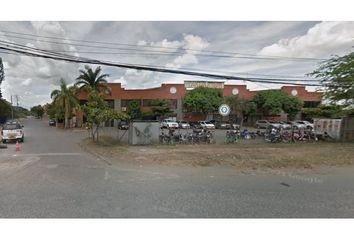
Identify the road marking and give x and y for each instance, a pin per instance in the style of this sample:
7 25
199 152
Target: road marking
44 154
106 175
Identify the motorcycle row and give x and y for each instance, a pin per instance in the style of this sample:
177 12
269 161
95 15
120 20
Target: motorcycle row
196 136
273 135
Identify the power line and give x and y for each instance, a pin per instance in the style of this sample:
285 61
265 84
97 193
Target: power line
55 56
294 78
231 54
188 69
162 53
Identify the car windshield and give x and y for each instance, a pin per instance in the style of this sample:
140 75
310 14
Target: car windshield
12 126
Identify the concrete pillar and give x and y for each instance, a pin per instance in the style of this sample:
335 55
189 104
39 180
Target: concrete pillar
179 109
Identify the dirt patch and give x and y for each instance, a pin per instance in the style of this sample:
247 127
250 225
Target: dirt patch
258 156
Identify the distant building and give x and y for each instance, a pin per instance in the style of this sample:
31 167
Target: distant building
174 93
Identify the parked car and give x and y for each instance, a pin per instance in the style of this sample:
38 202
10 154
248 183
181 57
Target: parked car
184 124
262 123
236 126
168 123
124 125
275 124
52 122
223 125
12 131
195 125
307 124
298 125
207 124
285 125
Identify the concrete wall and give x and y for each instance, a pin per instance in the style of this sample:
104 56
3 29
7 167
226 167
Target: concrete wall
144 132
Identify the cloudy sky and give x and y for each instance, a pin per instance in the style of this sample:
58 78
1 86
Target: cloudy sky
182 45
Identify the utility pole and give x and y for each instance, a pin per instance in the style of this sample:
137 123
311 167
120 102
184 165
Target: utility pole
16 100
12 110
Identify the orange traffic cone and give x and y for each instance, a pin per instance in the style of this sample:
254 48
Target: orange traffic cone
18 148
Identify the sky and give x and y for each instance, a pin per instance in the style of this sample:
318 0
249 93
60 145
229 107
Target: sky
182 45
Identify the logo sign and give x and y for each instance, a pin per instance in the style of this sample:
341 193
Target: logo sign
194 84
224 110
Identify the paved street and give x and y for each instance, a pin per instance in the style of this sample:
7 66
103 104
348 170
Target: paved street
53 178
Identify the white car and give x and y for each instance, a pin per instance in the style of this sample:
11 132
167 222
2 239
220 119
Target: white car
12 131
298 125
285 125
206 124
184 124
168 123
304 124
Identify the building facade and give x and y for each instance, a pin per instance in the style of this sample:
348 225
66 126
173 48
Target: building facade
120 97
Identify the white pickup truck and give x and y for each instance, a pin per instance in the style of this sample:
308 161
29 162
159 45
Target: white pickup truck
12 131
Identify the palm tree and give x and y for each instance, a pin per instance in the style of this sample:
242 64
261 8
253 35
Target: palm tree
65 98
92 80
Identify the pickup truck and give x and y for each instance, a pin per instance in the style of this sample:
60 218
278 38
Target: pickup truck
12 131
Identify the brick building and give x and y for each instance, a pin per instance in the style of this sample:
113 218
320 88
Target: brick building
174 93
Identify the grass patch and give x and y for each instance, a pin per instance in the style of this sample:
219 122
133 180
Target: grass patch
242 156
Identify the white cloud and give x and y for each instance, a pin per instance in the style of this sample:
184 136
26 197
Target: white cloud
194 42
319 41
167 44
34 78
26 82
183 60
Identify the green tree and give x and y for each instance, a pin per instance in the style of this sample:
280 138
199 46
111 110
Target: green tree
38 111
65 99
161 108
5 110
240 106
51 110
324 111
292 106
202 99
337 76
97 112
2 75
133 110
92 80
272 102
21 112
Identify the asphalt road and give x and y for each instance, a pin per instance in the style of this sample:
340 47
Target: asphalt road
53 178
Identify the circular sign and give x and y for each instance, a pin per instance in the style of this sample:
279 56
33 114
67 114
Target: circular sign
235 91
173 90
224 110
294 92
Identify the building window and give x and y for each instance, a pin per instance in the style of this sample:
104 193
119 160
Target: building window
147 102
173 103
311 104
125 102
110 103
82 102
